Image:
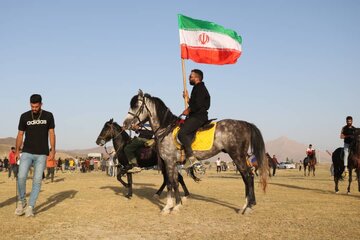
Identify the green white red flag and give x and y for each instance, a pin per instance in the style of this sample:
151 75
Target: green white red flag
207 42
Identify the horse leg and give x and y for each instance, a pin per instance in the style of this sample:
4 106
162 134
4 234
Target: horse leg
175 183
350 180
358 177
130 192
314 171
250 201
183 185
158 193
336 180
165 180
170 187
127 185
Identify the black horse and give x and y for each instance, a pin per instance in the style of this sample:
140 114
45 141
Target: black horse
147 157
353 162
309 163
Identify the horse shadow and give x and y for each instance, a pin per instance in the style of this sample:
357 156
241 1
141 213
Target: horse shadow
55 199
215 201
146 191
235 176
308 189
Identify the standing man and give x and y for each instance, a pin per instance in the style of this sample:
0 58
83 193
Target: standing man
13 167
347 133
218 165
38 126
196 114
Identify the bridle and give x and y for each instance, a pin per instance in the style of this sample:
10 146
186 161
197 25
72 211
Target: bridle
139 111
141 123
112 135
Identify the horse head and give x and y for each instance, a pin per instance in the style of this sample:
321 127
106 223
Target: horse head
138 111
112 131
106 133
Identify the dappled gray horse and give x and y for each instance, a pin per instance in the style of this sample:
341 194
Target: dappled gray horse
231 136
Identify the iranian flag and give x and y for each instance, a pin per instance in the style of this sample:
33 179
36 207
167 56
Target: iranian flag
207 42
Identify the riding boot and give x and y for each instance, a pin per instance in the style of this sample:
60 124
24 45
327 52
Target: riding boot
190 162
133 167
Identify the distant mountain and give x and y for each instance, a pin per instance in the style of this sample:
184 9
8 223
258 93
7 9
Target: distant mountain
8 141
282 147
286 148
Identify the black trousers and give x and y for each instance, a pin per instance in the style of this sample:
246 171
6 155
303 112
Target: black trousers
13 168
187 132
50 173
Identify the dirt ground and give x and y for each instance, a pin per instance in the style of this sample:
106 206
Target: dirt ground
93 206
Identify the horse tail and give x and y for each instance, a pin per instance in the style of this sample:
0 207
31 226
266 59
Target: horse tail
258 149
338 163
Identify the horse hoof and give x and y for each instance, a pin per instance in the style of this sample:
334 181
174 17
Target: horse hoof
336 192
176 209
349 193
246 211
165 212
156 196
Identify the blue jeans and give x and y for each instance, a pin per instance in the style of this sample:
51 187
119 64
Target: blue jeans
346 153
39 163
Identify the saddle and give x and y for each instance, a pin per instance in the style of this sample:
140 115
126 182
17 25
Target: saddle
203 139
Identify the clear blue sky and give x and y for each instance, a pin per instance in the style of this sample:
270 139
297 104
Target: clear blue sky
298 76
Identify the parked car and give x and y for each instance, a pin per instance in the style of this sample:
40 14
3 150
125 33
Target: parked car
286 165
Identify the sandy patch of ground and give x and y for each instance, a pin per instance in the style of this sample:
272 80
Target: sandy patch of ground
93 206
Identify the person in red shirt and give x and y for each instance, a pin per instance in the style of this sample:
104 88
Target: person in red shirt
50 165
13 167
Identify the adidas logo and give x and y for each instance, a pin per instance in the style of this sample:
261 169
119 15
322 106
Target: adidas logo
36 122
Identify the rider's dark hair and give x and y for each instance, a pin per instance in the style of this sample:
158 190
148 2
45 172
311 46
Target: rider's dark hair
199 73
349 118
35 98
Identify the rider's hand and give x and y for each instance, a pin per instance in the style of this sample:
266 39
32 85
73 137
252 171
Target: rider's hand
186 112
135 127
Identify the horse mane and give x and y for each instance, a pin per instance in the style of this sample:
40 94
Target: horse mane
167 117
124 134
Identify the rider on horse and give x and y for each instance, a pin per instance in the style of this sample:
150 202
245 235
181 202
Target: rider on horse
347 133
196 114
136 143
310 151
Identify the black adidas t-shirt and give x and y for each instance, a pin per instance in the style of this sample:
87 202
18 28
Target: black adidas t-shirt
36 130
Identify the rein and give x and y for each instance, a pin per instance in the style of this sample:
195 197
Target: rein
111 130
167 130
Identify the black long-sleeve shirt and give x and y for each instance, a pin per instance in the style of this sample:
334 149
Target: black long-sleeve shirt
199 102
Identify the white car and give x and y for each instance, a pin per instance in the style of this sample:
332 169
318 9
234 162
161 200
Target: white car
286 165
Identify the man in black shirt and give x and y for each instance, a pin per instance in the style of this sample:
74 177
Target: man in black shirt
347 133
38 126
196 113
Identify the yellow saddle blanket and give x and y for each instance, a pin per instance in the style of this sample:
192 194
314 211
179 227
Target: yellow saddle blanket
204 139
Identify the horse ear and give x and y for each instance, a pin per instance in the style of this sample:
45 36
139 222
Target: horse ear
111 120
140 93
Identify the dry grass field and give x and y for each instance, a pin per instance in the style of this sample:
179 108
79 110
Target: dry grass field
93 206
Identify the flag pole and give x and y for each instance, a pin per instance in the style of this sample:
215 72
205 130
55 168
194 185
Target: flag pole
186 100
